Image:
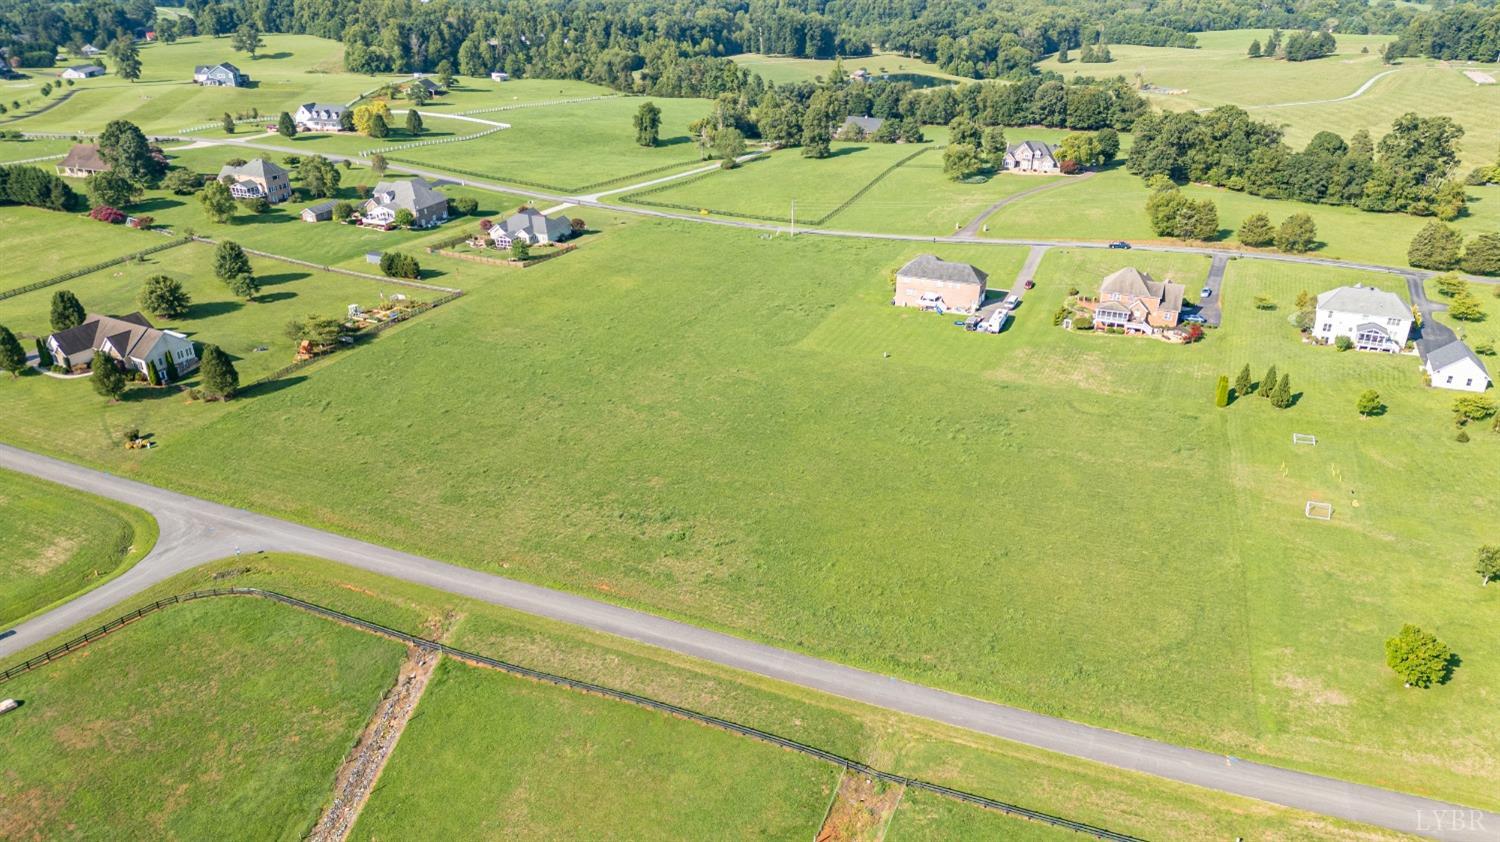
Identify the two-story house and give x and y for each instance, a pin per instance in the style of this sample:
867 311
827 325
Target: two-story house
257 179
319 117
428 207
1030 156
929 283
224 75
1374 319
1132 301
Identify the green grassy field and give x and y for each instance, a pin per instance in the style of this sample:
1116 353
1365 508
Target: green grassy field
55 542
12 151
923 816
572 147
216 316
290 69
1138 804
702 492
785 69
222 720
42 244
642 775
1219 72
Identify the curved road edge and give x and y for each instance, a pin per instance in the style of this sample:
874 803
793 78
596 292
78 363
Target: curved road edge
195 531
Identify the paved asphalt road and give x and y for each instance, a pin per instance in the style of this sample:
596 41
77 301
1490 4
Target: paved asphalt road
193 531
1433 334
1212 307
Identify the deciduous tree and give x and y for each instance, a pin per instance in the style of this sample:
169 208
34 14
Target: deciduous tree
1256 231
1418 657
1487 563
163 296
216 201
247 39
1435 246
1369 403
647 122
1297 234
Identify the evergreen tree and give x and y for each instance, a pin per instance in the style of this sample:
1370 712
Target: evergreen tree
152 375
1255 48
1256 231
1242 383
12 355
1268 383
163 296
66 311
413 122
43 356
1369 403
378 127
1282 397
171 374
127 57
286 126
108 379
1436 246
1221 392
1297 234
233 268
217 373
346 121
227 122
1482 255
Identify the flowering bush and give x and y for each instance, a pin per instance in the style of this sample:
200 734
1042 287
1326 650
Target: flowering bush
105 213
486 224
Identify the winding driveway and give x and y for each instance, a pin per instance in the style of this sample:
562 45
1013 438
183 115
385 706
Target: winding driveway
195 531
1358 92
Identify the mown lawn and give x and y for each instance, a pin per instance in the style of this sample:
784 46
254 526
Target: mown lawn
252 332
572 148
764 188
732 385
289 70
1219 72
923 816
223 719
785 69
55 542
41 244
490 755
13 151
1112 205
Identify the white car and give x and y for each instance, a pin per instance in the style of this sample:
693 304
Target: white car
1011 301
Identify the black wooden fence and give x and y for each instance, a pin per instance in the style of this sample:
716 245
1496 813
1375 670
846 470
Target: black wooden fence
573 684
75 273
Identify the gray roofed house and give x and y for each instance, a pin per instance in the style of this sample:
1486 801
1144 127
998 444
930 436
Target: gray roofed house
1456 366
1133 301
1373 319
426 83
929 283
321 212
428 207
319 117
258 179
532 227
223 75
82 71
82 161
129 340
867 126
1030 156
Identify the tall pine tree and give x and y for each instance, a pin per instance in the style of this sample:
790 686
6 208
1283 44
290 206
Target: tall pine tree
108 379
1242 383
219 378
1268 383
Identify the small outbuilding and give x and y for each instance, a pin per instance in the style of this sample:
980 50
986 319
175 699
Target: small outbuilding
928 283
82 161
82 71
321 212
1456 366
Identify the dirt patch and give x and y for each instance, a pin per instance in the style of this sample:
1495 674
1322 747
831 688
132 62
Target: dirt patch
861 810
361 769
51 556
1479 77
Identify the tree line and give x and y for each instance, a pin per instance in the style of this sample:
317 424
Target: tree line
1409 170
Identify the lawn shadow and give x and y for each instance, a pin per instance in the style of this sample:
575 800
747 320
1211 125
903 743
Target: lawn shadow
273 297
156 204
674 141
282 278
144 392
273 56
847 150
271 387
209 309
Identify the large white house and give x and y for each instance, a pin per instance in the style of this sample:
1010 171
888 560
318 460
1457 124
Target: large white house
1031 156
1374 319
319 117
1455 366
130 340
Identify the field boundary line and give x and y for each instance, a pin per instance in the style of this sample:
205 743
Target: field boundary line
406 282
88 270
566 191
840 208
657 705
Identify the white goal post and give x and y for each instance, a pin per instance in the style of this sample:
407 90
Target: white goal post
1304 438
1318 511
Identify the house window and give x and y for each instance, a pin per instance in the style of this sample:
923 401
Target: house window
1327 328
1449 380
1393 322
1469 382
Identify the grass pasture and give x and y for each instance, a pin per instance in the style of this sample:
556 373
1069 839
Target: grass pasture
766 373
642 774
42 244
786 69
1138 804
572 148
289 70
223 719
55 542
1219 72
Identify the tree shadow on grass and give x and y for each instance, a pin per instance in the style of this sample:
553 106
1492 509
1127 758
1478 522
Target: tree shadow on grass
674 141
142 393
281 278
273 297
847 150
272 387
158 204
209 309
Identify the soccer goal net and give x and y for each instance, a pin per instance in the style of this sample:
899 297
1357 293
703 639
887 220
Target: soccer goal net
1318 511
1304 438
